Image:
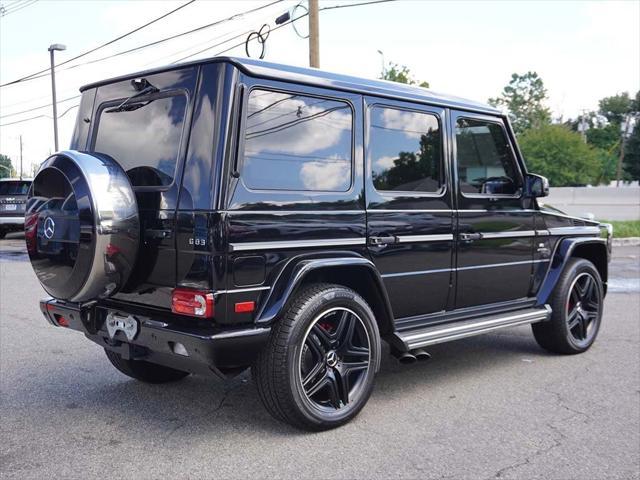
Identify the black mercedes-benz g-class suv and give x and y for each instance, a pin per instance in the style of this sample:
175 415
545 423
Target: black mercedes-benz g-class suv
232 213
13 198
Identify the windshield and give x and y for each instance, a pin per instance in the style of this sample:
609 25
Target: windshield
14 188
144 138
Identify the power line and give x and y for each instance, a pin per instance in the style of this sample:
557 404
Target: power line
42 73
14 7
40 116
157 19
333 7
244 33
39 107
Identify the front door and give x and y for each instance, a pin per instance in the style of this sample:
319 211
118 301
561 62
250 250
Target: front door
496 233
409 215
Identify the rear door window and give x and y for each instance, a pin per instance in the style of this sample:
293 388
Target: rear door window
297 142
405 151
144 138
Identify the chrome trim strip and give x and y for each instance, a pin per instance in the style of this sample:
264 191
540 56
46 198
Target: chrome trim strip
334 242
523 233
445 334
289 212
401 210
242 290
543 233
472 267
576 230
506 264
242 333
420 272
447 237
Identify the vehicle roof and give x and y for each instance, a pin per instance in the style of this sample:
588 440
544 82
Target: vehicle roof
321 78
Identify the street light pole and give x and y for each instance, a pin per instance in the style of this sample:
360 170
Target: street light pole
55 47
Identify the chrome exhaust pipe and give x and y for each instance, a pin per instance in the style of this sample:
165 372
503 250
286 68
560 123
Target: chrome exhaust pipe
406 358
421 355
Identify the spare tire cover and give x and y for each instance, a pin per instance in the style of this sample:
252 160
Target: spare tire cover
81 226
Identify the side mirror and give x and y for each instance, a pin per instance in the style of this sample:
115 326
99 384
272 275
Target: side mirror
537 185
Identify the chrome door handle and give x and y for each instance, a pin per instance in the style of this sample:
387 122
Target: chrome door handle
383 240
470 237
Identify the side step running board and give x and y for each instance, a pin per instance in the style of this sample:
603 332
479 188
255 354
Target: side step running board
424 336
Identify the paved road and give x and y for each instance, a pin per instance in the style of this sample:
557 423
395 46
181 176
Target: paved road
491 407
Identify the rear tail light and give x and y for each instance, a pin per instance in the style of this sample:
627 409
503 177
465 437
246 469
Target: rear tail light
196 303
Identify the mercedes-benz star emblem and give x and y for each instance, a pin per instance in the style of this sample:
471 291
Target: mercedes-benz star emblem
332 358
49 227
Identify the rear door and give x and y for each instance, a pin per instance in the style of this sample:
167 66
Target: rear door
495 231
409 216
143 125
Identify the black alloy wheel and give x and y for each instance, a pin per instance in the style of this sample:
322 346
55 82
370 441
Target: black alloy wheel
318 369
583 308
335 359
576 310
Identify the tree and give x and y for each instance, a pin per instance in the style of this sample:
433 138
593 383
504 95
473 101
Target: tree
6 167
400 74
615 108
632 155
561 155
524 98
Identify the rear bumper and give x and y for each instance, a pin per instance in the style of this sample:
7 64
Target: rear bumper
16 221
206 350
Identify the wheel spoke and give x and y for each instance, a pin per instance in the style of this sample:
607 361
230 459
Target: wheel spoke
308 380
318 384
323 336
352 367
342 386
335 390
316 345
574 320
344 332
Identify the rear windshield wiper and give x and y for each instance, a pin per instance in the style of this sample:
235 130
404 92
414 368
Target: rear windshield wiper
126 106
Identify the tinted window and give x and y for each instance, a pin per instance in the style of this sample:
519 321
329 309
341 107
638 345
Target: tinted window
405 150
295 142
14 188
485 163
145 140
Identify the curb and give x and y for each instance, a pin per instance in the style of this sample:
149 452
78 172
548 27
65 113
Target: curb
626 242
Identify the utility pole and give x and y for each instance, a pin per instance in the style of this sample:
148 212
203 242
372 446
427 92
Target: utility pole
626 127
20 157
314 34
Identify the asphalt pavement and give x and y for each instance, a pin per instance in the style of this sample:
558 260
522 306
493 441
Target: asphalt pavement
494 406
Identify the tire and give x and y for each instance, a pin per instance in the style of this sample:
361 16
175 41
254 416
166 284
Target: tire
326 329
575 320
145 371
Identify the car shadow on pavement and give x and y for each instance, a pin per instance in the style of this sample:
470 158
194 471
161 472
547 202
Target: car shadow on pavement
199 405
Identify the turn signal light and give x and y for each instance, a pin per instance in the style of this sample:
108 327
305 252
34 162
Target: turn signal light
195 303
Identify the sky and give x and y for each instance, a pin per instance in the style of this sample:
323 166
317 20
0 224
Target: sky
583 50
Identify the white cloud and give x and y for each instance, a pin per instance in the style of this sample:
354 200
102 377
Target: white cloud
384 163
324 176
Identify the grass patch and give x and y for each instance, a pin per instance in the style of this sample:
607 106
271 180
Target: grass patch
625 228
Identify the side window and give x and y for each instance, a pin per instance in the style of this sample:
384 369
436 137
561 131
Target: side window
485 163
297 142
405 151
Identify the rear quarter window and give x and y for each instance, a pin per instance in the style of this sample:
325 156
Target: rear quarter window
145 139
296 142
